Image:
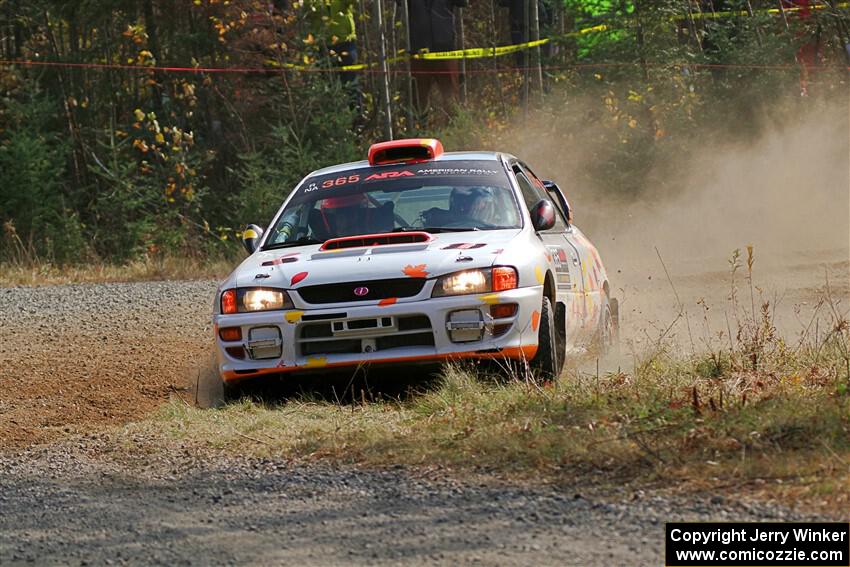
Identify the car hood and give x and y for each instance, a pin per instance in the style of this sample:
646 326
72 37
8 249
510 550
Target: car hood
307 265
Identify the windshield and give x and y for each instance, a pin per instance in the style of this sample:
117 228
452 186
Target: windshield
444 197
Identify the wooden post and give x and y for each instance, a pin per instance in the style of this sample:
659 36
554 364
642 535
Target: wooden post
385 70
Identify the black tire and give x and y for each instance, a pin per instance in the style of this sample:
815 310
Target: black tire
234 391
548 361
608 330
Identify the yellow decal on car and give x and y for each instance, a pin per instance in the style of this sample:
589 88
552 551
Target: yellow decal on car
538 273
316 362
294 316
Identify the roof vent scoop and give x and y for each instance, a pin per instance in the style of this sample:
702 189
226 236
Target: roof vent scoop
405 151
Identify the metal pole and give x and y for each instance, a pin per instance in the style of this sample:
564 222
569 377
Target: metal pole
367 45
495 74
463 59
525 74
410 101
385 70
535 35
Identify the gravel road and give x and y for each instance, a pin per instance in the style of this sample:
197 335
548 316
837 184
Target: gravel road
61 507
77 360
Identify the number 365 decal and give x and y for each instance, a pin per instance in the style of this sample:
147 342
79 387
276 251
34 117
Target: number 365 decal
328 183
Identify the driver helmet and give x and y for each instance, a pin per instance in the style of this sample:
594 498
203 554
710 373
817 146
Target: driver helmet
473 202
341 214
344 201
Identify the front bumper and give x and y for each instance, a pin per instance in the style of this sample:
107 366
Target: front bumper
507 337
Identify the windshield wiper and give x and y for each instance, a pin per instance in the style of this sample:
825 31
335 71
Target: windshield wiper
303 241
435 229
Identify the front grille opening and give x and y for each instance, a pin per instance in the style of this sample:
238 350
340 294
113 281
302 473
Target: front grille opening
400 341
414 322
363 324
374 290
410 330
342 346
501 329
317 331
324 317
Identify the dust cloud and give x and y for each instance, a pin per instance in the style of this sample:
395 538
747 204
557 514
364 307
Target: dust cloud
784 190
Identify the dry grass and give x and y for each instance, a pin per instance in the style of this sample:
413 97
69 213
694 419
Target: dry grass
785 429
749 413
146 269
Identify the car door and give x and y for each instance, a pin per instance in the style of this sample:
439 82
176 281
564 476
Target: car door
591 273
565 257
593 278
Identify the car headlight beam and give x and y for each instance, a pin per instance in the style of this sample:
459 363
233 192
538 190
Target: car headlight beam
476 281
262 300
251 299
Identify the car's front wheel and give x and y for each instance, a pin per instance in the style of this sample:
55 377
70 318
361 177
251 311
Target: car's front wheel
608 332
234 391
546 364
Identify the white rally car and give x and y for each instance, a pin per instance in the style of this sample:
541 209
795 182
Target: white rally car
412 256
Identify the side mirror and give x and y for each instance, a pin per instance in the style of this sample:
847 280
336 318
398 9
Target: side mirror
552 186
543 215
251 237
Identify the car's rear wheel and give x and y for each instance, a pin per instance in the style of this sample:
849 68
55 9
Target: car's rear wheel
546 364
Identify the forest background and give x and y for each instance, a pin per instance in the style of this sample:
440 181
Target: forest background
146 129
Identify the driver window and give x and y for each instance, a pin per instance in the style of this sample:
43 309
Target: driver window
560 215
531 194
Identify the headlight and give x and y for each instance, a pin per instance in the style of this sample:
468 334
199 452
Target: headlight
248 299
476 281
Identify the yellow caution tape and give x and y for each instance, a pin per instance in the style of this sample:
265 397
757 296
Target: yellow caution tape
484 52
471 53
479 52
745 13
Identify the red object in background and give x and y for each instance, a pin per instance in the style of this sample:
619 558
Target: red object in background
808 54
801 8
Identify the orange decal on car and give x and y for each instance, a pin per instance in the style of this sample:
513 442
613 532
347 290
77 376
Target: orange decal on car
535 320
417 271
388 301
